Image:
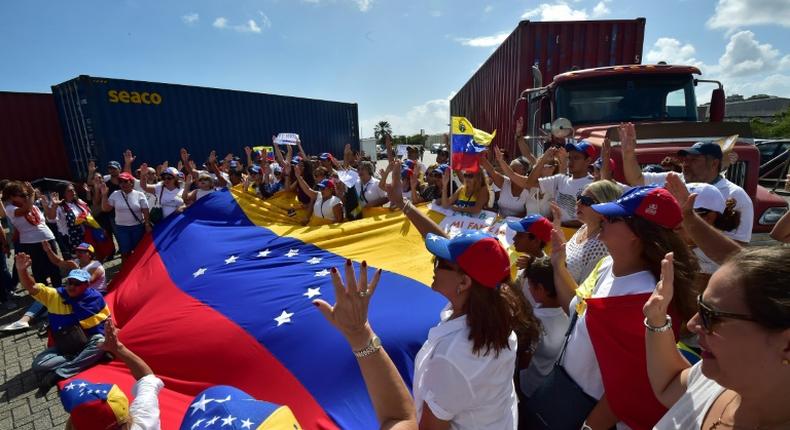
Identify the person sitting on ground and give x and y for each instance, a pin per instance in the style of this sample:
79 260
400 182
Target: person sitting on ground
84 260
105 406
743 324
539 274
471 197
512 199
74 308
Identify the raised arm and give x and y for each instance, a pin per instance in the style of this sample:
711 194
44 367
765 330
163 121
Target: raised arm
781 230
185 161
187 194
105 192
495 176
515 178
51 208
303 184
383 180
23 263
526 151
533 180
128 159
144 180
137 366
301 150
666 368
563 280
606 157
633 174
213 168
421 221
447 201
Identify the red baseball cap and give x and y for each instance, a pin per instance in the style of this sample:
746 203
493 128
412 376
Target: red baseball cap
126 176
652 203
535 224
480 255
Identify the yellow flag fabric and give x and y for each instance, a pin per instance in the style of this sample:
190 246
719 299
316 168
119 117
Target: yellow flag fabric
461 125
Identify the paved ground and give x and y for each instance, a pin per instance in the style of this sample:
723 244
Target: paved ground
21 407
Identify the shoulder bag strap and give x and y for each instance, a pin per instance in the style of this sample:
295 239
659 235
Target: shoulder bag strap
130 208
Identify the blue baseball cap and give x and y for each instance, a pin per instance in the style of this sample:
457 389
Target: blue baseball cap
326 183
80 275
478 254
711 149
651 203
583 146
535 224
114 165
325 156
296 160
255 169
222 406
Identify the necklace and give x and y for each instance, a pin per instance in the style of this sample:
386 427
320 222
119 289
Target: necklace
720 422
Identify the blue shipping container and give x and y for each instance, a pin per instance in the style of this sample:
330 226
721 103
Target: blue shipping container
101 118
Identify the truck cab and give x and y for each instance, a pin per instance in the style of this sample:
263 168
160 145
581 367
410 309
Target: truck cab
660 100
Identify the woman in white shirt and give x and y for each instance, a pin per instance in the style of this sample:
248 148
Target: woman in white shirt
68 212
370 194
604 356
30 224
327 207
512 199
743 322
131 213
168 192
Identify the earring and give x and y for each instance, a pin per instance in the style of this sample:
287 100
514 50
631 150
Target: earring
785 362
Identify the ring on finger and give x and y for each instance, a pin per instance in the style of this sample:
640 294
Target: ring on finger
363 293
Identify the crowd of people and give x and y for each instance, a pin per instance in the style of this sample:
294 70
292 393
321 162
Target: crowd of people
653 314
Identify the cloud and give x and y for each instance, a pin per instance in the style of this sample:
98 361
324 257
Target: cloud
364 5
220 22
190 18
251 26
488 8
745 67
559 11
732 14
673 52
433 116
484 41
601 9
745 55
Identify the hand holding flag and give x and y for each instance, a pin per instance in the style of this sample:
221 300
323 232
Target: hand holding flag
467 144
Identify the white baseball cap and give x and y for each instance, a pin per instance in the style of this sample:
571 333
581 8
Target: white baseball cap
708 197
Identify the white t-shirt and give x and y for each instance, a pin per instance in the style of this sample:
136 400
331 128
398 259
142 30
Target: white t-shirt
554 323
370 192
564 190
469 390
171 199
706 265
100 283
743 203
29 233
690 410
202 193
537 204
150 197
510 205
581 258
579 360
144 410
323 209
137 202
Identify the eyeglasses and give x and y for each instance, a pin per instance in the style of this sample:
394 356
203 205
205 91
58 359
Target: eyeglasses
586 200
710 317
440 264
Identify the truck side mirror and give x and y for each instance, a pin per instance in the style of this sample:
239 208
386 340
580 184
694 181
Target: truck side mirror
716 112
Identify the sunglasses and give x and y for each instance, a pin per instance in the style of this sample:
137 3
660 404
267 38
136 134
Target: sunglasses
166 177
710 317
75 283
440 264
586 200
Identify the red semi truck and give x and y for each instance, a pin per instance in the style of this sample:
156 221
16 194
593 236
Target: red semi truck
659 99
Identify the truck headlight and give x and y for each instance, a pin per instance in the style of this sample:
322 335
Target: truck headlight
771 215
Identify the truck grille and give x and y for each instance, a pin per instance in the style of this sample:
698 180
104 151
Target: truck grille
736 173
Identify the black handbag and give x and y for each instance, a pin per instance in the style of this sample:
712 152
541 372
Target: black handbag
559 403
156 213
70 340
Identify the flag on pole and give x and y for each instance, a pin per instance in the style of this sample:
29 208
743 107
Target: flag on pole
467 144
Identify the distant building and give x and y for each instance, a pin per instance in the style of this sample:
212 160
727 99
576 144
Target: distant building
744 110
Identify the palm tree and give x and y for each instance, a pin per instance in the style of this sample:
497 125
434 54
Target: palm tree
381 129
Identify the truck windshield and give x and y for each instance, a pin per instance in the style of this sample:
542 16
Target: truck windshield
628 98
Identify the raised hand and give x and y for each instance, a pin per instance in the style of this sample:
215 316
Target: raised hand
520 126
556 216
23 261
111 342
248 151
557 248
678 189
446 177
627 134
104 189
54 198
500 157
91 167
349 315
655 309
212 157
394 192
128 157
414 182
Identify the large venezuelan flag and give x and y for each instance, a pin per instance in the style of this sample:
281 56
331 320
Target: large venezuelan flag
222 293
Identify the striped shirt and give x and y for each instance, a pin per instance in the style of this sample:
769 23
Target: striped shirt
88 310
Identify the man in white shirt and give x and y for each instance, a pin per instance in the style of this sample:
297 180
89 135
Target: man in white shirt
565 188
701 163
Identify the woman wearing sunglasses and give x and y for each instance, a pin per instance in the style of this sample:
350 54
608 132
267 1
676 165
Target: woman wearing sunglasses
471 197
743 322
604 355
512 199
168 192
131 212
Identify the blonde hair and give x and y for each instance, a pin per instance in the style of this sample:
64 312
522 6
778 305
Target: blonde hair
605 190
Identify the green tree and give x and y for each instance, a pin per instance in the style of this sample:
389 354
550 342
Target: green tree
382 128
778 128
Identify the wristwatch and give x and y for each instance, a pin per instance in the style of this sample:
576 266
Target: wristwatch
374 344
667 325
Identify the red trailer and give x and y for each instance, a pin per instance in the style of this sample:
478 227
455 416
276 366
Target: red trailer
31 141
489 97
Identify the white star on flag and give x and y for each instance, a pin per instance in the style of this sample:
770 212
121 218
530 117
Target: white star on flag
246 424
226 399
322 273
197 423
228 421
264 253
82 385
232 259
69 387
213 419
312 292
433 238
292 253
200 404
314 260
199 272
284 317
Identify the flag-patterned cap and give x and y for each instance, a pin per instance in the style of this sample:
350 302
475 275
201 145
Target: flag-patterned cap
480 255
223 406
584 147
651 203
94 406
